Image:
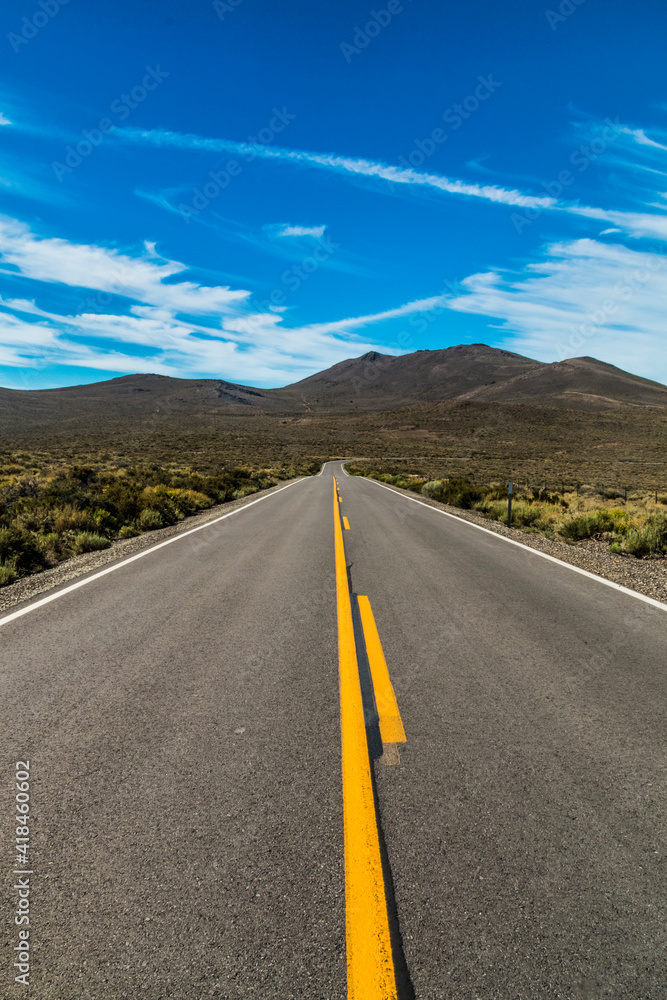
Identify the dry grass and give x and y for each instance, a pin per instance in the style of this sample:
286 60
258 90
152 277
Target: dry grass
637 526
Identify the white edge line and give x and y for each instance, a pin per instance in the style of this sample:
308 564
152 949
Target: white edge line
527 548
140 555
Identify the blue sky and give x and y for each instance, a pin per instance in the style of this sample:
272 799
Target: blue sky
254 191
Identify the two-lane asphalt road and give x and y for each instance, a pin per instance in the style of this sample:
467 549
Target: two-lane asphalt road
182 719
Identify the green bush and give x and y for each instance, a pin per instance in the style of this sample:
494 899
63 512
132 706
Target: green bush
7 575
128 531
150 519
20 549
244 491
53 547
525 515
88 541
456 492
188 502
431 488
648 540
494 511
590 524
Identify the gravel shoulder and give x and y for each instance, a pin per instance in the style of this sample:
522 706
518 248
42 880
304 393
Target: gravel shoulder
646 576
29 587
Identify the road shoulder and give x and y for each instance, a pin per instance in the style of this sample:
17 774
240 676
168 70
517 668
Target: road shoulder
646 576
71 569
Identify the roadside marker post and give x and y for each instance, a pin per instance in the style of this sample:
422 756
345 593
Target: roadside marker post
509 506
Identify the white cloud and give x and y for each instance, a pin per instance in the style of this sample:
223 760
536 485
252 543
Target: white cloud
155 332
585 297
637 224
641 138
315 231
142 278
4 120
338 164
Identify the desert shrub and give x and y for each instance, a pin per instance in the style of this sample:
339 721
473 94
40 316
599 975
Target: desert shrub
494 511
648 539
122 500
7 574
19 549
457 492
128 531
33 517
187 502
244 491
70 518
53 547
88 541
432 487
525 515
645 541
150 519
103 518
589 525
169 503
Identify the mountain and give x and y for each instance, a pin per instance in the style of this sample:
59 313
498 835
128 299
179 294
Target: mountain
130 396
578 383
383 382
373 382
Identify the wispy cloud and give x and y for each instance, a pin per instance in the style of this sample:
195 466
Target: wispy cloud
639 135
637 224
152 328
315 231
144 278
4 120
338 164
584 297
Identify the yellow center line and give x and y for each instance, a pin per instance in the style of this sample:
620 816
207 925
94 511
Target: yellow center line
346 524
391 724
370 964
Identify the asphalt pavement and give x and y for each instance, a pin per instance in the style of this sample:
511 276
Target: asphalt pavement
181 716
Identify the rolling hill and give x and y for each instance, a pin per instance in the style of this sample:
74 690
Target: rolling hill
373 382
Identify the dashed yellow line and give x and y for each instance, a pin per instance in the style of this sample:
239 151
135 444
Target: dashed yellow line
370 964
391 724
346 524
